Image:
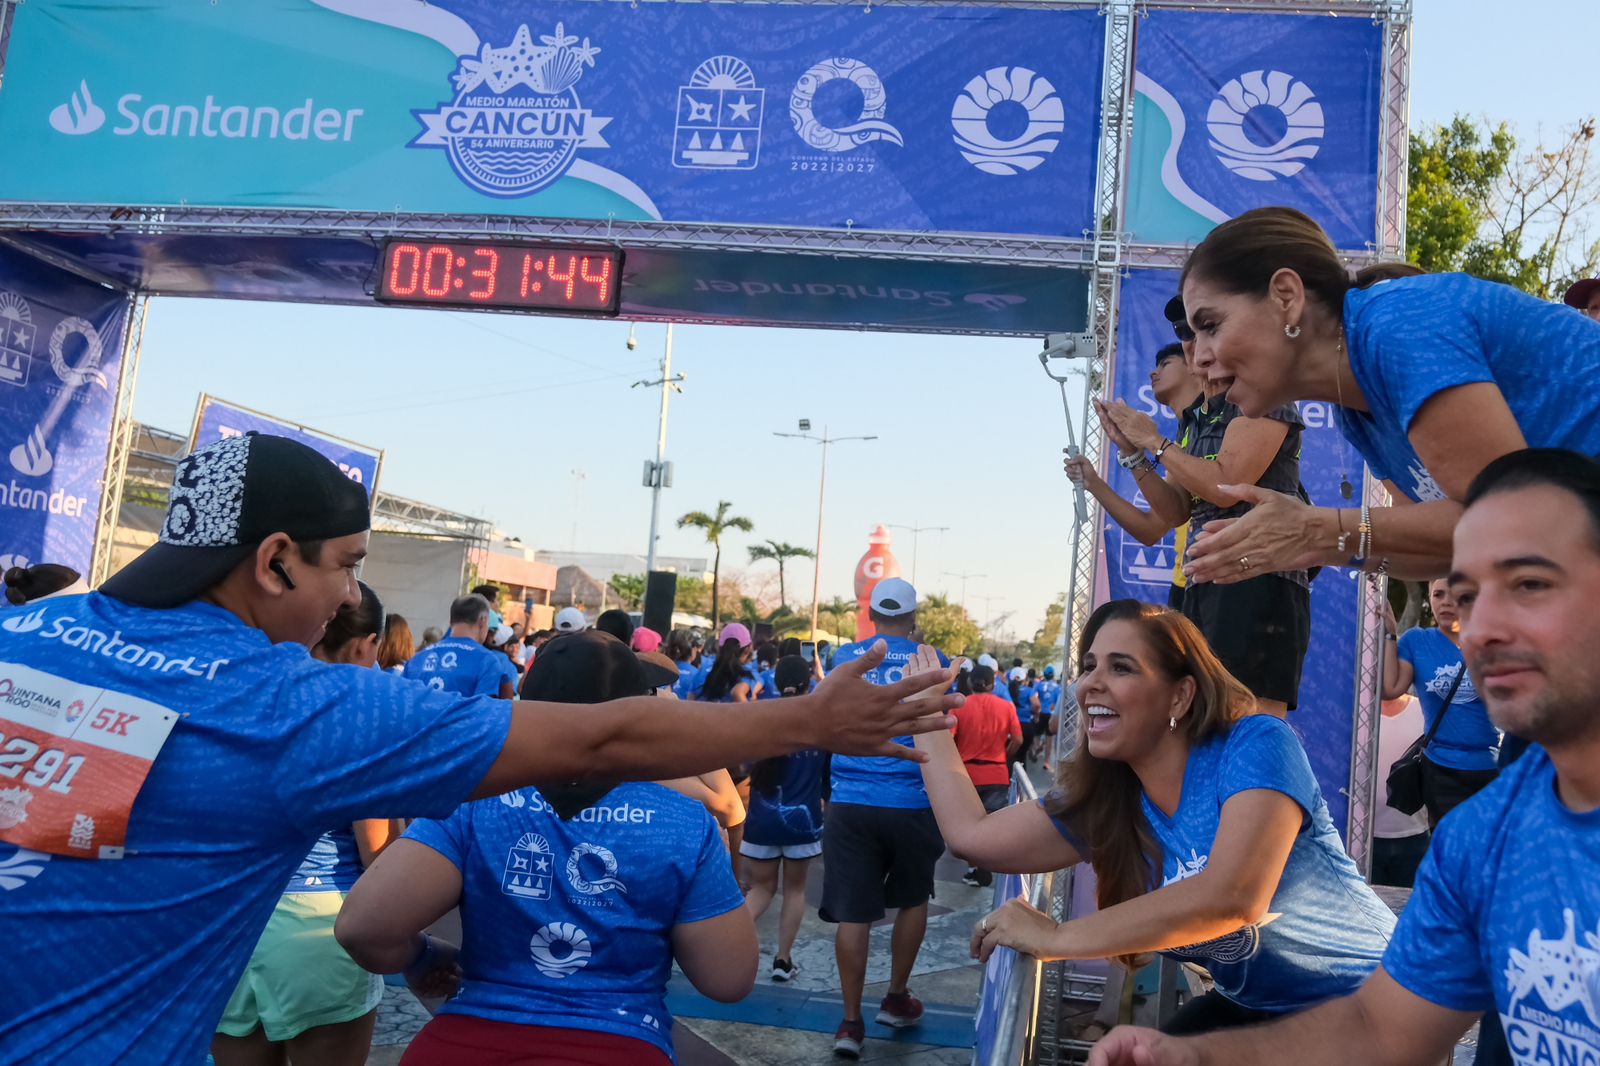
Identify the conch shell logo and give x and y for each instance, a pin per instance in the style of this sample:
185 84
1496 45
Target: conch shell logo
560 949
1256 107
973 117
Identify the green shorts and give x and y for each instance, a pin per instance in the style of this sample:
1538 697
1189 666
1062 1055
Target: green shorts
299 977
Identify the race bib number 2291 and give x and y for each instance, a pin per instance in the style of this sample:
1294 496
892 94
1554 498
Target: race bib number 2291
73 758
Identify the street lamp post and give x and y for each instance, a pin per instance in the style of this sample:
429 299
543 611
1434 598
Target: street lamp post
916 532
822 489
963 577
657 475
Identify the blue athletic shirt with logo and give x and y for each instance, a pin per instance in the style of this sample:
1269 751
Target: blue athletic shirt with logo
462 666
684 689
1049 694
879 781
131 961
1325 931
332 864
791 813
1466 739
569 924
769 684
1506 915
1412 338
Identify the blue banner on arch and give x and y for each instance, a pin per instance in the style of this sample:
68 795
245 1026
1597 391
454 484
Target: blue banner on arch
60 370
1243 110
219 420
1325 718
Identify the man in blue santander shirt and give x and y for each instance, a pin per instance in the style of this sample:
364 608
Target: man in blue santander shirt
1506 912
879 842
460 663
183 752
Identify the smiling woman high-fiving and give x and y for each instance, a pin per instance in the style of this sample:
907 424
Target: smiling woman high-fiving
1208 835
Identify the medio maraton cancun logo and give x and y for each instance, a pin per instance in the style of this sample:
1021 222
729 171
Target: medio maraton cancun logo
516 124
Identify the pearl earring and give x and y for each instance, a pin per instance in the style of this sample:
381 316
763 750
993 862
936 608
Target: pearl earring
1291 331
1172 724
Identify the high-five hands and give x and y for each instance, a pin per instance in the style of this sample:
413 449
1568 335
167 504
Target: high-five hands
852 716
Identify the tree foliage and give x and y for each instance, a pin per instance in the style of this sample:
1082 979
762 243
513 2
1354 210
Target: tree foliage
1481 203
948 627
629 589
780 554
714 526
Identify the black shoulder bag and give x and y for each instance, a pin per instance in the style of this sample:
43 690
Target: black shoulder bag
1405 776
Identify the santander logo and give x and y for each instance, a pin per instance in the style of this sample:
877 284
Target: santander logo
79 115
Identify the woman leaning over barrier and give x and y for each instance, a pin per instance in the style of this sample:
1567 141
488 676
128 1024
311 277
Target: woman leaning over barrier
1206 829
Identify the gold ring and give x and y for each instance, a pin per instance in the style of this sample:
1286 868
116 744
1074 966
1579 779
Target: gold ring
1244 562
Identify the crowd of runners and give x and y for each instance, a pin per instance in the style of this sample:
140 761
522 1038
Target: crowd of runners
292 792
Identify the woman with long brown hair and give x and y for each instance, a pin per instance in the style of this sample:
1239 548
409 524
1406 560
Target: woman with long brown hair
1208 835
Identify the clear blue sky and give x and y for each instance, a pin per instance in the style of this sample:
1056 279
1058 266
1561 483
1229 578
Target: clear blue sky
492 414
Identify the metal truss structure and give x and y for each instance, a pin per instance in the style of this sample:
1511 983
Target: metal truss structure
396 514
121 440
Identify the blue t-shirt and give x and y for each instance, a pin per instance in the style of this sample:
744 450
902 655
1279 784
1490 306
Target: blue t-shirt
747 676
879 781
1466 740
1049 696
332 864
569 924
1506 915
1025 694
1412 338
1325 931
684 689
769 684
462 666
133 960
791 813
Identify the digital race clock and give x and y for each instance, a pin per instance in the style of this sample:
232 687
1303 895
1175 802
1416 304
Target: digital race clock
528 277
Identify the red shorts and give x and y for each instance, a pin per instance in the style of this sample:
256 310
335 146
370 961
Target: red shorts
450 1039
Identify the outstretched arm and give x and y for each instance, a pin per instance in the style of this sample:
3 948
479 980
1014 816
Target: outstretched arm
1382 1024
643 738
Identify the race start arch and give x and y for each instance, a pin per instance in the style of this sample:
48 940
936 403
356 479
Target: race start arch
1010 168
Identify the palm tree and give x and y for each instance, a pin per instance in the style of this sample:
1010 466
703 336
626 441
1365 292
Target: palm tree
714 526
780 554
843 611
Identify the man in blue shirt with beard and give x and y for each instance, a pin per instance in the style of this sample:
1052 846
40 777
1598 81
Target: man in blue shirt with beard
180 752
460 663
1506 913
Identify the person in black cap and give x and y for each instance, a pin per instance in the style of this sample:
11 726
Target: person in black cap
609 886
185 752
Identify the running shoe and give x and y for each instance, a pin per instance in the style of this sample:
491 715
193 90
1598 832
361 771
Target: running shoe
784 970
971 878
900 1010
848 1038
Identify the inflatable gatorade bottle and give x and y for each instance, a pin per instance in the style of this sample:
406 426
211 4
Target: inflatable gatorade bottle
877 564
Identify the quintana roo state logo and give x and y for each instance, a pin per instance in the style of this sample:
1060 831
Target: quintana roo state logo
1002 143
868 127
516 123
1265 125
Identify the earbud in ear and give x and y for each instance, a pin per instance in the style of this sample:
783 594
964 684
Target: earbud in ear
283 575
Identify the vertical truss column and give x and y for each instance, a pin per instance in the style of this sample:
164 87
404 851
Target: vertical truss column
1110 243
120 444
1365 771
1395 125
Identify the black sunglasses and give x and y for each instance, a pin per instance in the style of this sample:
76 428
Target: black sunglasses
1185 334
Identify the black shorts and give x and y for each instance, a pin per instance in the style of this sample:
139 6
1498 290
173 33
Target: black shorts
1259 629
876 859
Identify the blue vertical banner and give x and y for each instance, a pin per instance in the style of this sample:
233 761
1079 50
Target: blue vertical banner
1236 111
218 420
1324 720
60 371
